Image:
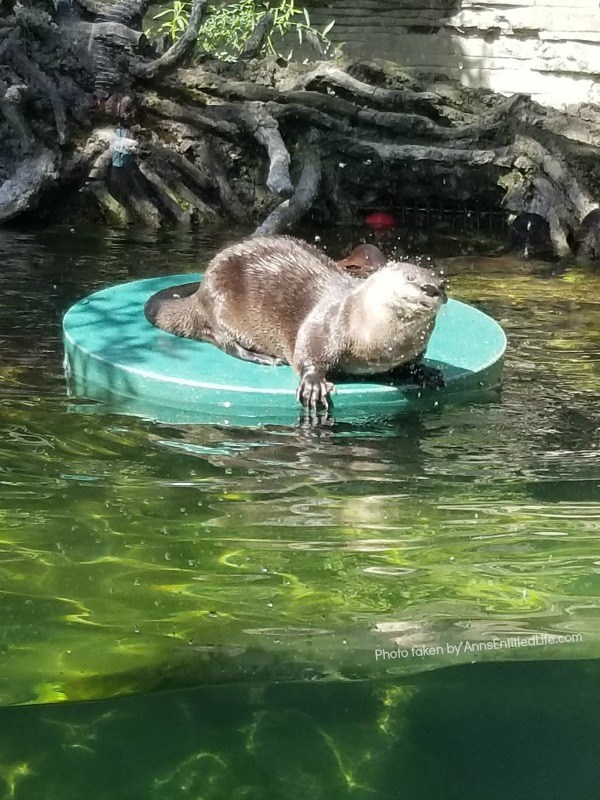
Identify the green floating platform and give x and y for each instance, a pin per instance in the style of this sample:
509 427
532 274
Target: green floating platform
114 355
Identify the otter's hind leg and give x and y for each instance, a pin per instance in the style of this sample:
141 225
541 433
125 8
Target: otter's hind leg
417 372
235 349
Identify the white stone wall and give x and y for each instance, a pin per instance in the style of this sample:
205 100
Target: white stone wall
547 48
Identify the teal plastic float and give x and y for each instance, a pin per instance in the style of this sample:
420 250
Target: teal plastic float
114 355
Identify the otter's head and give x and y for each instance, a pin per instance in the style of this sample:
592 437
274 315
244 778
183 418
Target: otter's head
410 290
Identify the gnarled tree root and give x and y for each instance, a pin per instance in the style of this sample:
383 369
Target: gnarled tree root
262 141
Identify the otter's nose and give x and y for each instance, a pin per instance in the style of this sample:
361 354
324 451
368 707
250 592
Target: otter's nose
431 290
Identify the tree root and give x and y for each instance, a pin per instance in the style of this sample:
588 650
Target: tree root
332 77
351 136
257 38
164 194
208 154
11 106
22 192
185 181
112 210
202 120
266 131
36 78
291 211
131 190
178 52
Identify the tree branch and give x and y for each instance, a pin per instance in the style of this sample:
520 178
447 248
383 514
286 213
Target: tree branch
92 6
27 69
11 107
290 211
266 132
328 75
193 116
257 38
178 51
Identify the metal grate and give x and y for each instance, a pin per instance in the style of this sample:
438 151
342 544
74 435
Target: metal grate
454 215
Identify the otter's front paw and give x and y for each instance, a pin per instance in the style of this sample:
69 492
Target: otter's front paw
427 377
314 389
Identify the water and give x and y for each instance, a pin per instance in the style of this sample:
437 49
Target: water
524 731
136 556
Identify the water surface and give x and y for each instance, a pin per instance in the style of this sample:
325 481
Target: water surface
136 555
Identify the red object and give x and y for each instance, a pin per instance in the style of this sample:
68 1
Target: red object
380 221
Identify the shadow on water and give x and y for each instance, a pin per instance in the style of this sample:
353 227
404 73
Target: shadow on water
519 731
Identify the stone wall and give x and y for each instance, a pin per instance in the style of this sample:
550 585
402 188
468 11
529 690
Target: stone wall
547 48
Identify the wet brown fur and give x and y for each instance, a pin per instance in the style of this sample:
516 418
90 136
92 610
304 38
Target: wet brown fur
280 296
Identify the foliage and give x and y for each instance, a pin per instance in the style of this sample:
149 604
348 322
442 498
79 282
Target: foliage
228 27
174 20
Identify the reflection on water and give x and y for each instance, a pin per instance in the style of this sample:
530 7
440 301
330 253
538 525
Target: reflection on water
496 731
135 555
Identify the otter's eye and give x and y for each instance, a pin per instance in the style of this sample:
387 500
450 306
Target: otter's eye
431 290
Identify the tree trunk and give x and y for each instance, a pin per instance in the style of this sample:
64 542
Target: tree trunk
86 106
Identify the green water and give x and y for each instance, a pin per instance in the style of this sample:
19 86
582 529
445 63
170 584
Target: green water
136 556
494 731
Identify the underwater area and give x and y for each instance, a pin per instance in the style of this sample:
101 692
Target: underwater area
406 607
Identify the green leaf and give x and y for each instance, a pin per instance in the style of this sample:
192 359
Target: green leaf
306 17
328 27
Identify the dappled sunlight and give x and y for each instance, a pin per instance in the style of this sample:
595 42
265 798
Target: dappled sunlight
134 553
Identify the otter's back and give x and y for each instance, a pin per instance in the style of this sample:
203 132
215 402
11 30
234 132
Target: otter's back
262 289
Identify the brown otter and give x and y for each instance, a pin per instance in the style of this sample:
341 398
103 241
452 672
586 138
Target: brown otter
364 260
277 299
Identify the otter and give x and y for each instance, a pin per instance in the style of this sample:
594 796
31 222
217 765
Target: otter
364 260
276 299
